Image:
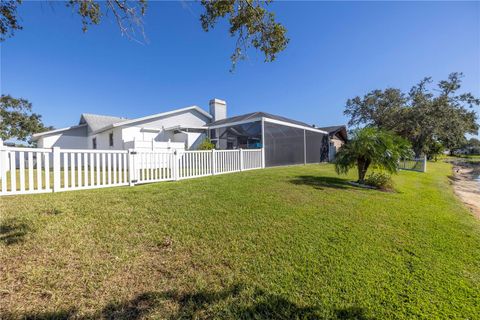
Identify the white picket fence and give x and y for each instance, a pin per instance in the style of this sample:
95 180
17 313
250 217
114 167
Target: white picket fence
35 170
416 164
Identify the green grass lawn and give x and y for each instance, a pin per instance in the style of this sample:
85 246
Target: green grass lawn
471 156
283 243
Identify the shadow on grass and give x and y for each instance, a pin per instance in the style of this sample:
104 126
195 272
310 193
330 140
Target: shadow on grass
13 231
321 182
235 302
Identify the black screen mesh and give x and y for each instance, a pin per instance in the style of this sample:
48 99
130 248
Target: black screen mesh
283 145
314 143
245 136
324 153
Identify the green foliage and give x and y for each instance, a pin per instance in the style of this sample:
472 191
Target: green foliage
206 144
371 147
426 117
128 14
435 150
250 21
380 180
472 146
17 119
8 18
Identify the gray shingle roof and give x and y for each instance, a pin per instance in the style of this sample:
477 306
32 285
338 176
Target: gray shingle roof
96 122
332 129
254 115
337 130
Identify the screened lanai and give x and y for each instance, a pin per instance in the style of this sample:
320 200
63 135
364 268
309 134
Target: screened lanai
285 141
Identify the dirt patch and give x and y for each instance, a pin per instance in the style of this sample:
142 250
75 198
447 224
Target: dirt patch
466 183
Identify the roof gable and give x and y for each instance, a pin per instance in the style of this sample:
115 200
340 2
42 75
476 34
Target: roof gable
340 131
154 116
96 122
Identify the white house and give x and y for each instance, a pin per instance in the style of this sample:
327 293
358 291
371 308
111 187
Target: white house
284 141
183 128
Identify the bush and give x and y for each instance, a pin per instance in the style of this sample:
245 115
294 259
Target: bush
380 180
206 145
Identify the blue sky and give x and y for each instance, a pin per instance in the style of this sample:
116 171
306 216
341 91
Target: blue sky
337 50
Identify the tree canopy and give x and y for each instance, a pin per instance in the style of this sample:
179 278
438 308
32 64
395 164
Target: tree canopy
17 119
250 21
425 116
371 147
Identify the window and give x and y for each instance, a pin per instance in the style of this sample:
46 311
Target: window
110 139
94 143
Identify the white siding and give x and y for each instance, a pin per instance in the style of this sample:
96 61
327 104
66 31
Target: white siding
81 138
190 118
103 140
72 139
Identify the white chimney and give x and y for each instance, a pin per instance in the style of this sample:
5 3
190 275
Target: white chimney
218 109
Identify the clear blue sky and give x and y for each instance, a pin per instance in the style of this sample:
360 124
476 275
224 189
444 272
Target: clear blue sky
337 50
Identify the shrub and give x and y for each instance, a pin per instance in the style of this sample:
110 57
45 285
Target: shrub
371 147
206 145
380 180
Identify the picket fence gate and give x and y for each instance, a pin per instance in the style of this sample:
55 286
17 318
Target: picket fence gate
415 164
40 170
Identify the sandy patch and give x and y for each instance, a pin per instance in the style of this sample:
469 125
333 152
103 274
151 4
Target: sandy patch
466 184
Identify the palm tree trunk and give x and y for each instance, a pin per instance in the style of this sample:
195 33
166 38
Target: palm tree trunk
362 165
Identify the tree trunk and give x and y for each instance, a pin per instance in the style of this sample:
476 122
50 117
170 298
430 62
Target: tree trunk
417 151
362 165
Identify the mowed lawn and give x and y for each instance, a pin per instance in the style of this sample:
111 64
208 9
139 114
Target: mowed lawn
280 243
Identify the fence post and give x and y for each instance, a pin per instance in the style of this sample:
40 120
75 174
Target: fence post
2 165
176 170
425 163
214 162
241 159
56 169
131 167
263 158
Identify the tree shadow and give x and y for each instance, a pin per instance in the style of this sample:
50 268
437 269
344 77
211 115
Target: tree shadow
13 231
52 315
321 182
351 314
234 302
237 302
136 308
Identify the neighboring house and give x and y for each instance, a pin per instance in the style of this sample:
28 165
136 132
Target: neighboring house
285 141
337 137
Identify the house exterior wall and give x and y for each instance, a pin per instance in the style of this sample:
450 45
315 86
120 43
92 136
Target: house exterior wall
335 144
124 136
75 138
103 140
190 118
195 139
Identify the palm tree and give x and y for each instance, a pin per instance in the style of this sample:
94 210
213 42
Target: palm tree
371 147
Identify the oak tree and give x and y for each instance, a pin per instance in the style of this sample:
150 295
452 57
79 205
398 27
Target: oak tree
250 21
